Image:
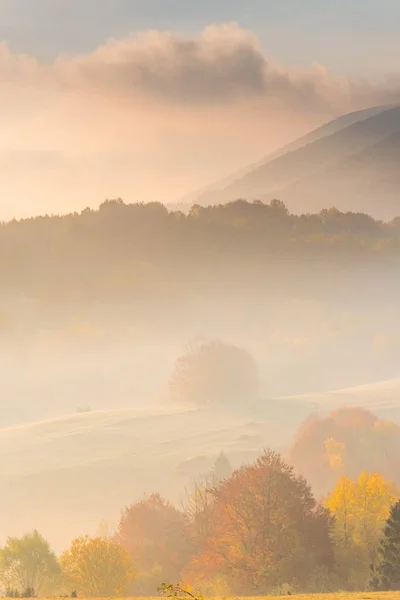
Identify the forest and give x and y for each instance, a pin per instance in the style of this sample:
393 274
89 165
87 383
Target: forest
145 240
151 261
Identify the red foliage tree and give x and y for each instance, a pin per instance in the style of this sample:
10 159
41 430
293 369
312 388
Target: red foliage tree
155 535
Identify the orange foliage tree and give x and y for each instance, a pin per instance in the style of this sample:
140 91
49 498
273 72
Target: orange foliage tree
346 442
155 535
267 530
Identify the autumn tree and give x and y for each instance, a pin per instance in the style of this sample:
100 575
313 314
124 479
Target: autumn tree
360 509
97 568
267 530
345 442
199 510
214 374
154 534
199 498
27 563
340 502
385 572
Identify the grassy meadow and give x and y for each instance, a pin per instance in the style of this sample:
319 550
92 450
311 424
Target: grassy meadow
336 596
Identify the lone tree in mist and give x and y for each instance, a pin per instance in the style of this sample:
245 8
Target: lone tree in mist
385 573
214 374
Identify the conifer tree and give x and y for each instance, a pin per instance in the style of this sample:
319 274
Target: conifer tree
385 573
222 468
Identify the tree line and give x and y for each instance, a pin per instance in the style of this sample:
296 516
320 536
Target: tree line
255 530
123 246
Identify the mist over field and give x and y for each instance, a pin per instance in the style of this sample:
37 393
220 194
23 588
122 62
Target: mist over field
199 298
98 406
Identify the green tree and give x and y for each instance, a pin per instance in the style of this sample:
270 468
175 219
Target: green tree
27 563
385 573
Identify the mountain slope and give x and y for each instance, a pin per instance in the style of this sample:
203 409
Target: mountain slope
211 191
368 181
307 168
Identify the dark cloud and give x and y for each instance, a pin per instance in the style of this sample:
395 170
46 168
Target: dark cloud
223 64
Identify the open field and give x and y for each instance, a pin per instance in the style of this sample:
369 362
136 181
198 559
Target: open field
337 596
114 457
381 398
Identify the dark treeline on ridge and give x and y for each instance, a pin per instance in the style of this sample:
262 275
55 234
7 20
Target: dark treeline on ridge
261 226
171 246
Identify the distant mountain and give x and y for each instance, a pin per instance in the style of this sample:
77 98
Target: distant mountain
367 181
322 131
350 163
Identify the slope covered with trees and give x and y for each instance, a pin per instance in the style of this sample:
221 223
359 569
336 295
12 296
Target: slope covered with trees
135 249
150 262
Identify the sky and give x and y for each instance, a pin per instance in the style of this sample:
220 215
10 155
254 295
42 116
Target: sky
330 31
151 99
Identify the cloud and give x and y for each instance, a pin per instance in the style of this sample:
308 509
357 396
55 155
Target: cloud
223 64
155 114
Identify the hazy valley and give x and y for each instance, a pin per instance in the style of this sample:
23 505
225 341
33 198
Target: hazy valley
100 307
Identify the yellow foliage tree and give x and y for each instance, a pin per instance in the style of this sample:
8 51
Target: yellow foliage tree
340 502
336 452
97 568
374 498
360 509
